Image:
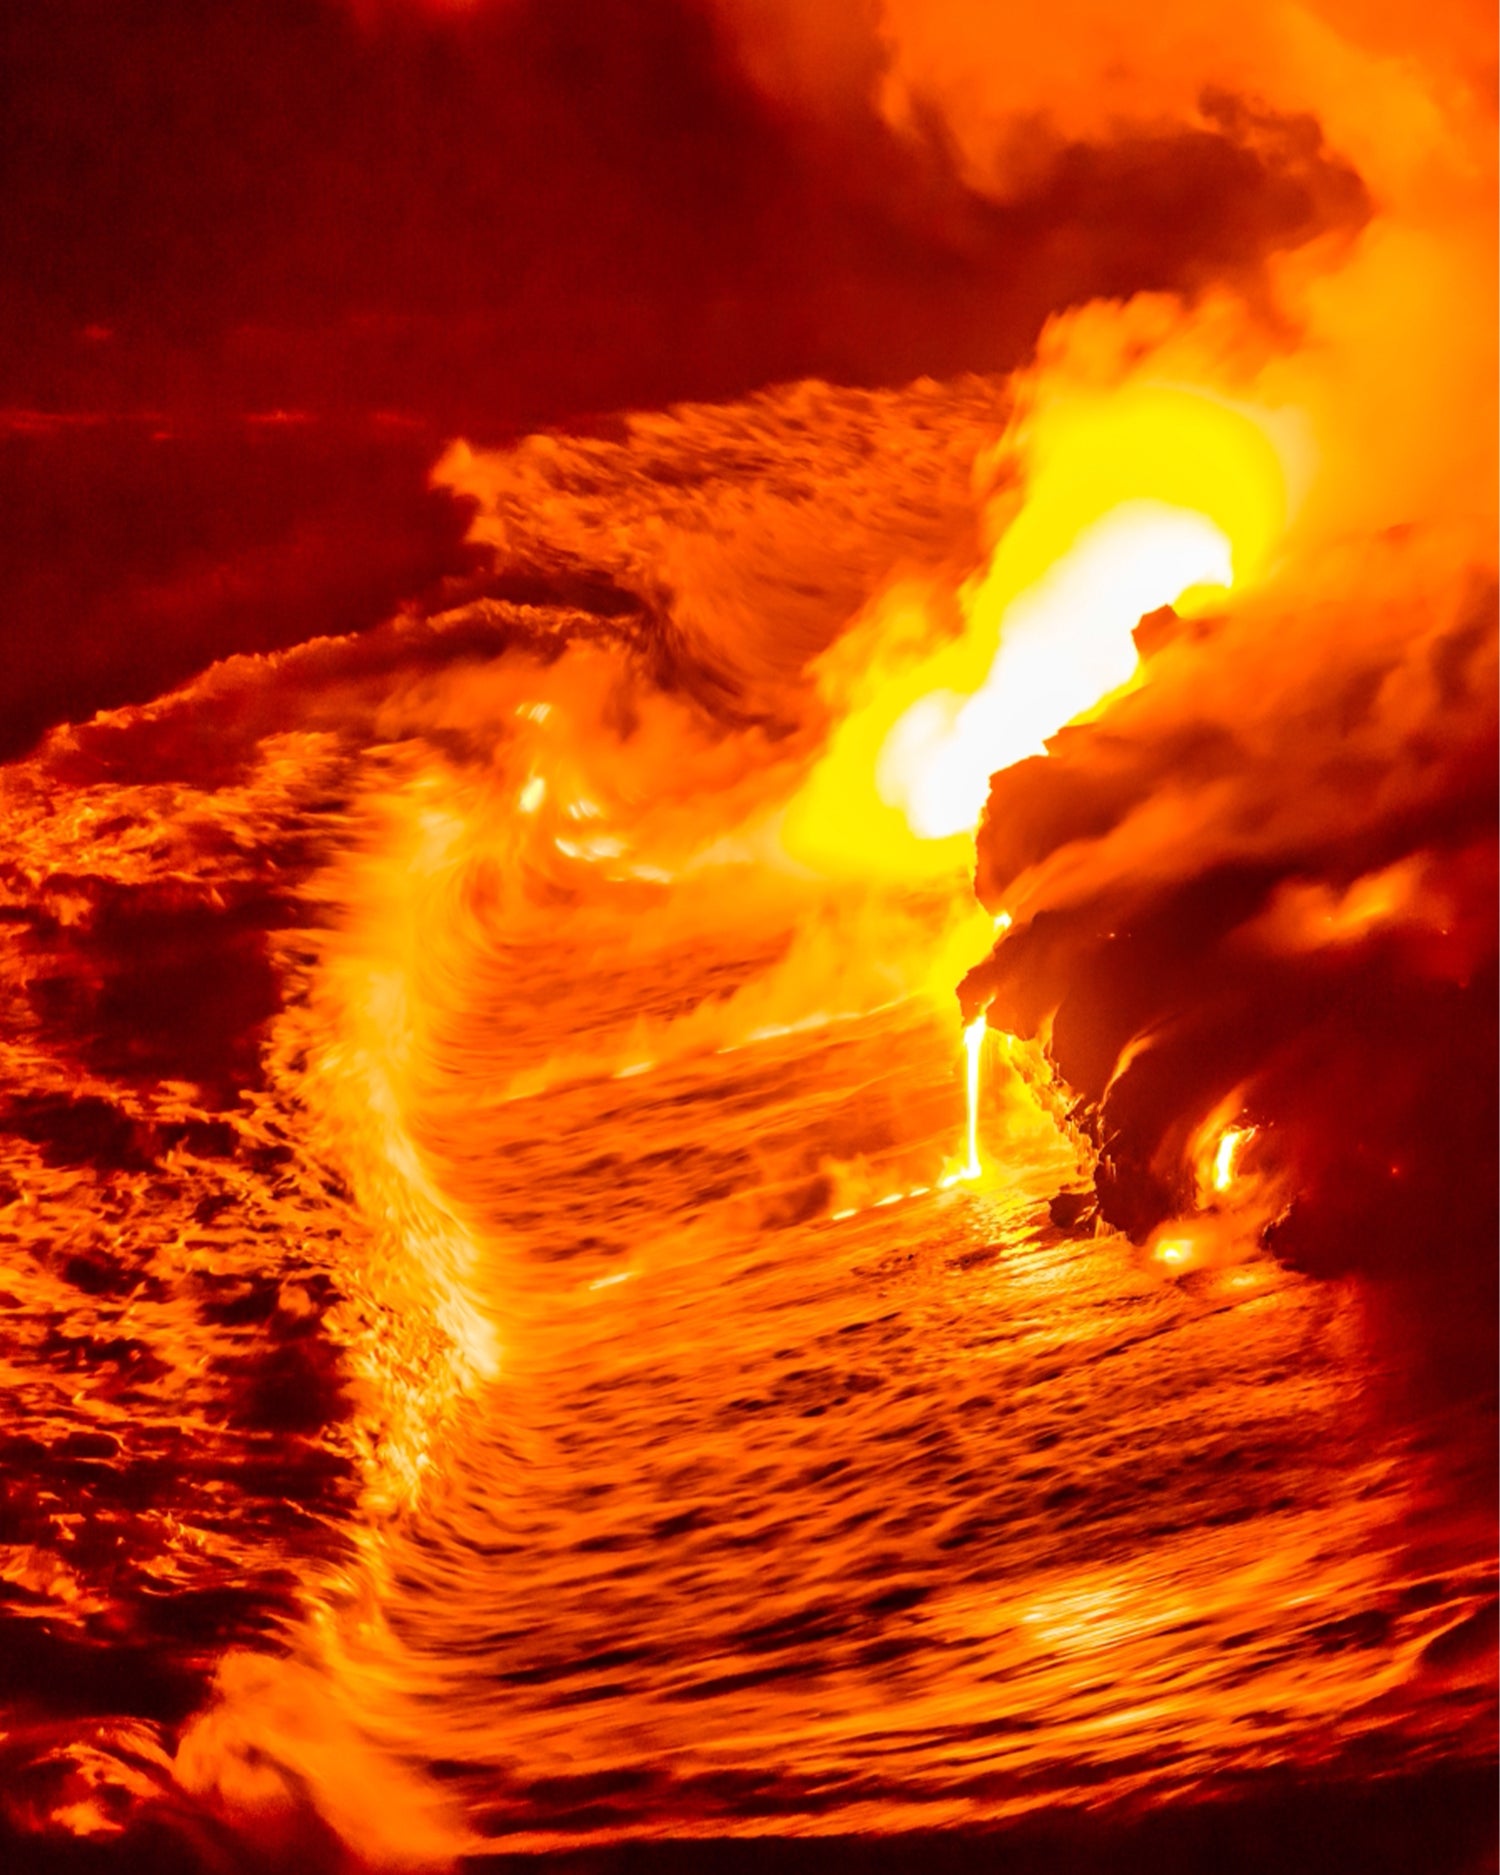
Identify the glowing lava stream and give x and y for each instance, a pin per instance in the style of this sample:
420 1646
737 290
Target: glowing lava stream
973 1049
1067 644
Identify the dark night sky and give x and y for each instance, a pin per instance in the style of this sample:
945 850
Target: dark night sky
397 227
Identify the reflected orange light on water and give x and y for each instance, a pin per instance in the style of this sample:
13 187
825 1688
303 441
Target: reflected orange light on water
1151 496
689 1229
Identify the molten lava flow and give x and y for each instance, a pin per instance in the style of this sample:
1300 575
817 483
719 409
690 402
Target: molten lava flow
1232 1142
973 1052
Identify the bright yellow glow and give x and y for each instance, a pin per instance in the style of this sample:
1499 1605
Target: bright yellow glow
1148 497
1231 1142
1066 643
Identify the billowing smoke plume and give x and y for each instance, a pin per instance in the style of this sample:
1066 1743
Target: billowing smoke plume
1256 896
258 266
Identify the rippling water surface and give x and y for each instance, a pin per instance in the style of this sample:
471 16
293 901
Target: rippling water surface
497 1356
807 1506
